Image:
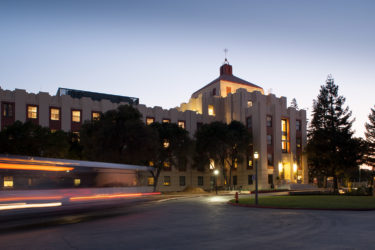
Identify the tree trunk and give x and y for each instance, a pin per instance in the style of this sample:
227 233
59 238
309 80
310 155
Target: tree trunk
335 184
156 178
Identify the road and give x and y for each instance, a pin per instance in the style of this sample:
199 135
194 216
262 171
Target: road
205 222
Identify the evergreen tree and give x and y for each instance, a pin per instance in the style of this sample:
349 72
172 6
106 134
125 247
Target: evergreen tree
294 104
370 139
332 150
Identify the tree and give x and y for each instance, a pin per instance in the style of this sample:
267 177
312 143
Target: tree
294 104
331 148
173 149
370 139
118 136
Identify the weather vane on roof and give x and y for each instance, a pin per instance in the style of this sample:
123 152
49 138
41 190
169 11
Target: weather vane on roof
226 52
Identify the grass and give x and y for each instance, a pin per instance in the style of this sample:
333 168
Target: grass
314 201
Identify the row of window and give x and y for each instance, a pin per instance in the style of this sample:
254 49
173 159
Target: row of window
32 112
180 123
167 181
284 123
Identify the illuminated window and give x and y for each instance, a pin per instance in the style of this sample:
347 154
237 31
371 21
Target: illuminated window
32 112
249 122
270 159
95 116
212 164
53 131
77 182
167 165
8 181
182 180
284 136
150 120
298 125
250 179
235 163
214 91
249 104
166 143
229 90
8 110
181 124
76 116
200 180
234 180
269 121
167 181
210 110
166 121
298 142
150 181
54 114
269 139
151 163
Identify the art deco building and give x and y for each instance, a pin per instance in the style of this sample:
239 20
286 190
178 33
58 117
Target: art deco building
278 131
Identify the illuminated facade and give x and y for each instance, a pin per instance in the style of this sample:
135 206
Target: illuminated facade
279 132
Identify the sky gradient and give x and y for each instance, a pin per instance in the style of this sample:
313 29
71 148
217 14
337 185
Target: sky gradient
163 51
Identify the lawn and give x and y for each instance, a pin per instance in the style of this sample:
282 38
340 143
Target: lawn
314 201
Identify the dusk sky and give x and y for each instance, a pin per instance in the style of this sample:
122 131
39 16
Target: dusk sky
163 51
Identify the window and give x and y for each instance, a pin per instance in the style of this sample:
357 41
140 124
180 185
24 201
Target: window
199 125
151 163
270 179
229 90
182 180
284 136
200 180
214 91
211 110
166 143
298 125
181 124
235 163
150 120
76 116
8 110
298 142
8 181
269 139
54 114
77 182
166 121
270 159
167 181
249 104
249 122
234 180
167 165
32 112
150 181
269 121
250 179
95 116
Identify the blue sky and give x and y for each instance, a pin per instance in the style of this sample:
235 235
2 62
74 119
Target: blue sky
163 51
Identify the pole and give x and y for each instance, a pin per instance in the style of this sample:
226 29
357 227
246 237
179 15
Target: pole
216 183
256 182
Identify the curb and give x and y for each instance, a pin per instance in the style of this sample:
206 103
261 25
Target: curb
300 208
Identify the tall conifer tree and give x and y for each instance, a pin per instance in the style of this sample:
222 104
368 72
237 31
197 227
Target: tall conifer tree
370 139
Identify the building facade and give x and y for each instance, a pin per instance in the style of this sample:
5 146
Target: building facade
279 131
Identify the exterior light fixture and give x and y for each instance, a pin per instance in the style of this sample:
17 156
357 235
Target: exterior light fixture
216 172
295 168
256 157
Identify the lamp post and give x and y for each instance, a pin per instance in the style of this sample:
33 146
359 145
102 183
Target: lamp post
256 156
216 173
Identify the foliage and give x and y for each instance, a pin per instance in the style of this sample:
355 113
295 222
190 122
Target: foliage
331 148
118 136
294 104
34 140
370 139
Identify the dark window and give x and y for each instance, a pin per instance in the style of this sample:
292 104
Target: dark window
269 121
298 125
199 125
200 180
234 180
167 181
182 181
269 139
298 142
270 159
250 179
249 122
8 110
270 179
214 92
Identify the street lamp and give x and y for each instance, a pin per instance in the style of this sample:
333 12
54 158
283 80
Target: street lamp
216 173
256 156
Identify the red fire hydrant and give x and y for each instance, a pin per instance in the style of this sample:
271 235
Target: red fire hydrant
236 197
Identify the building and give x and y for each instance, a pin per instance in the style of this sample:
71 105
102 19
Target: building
279 131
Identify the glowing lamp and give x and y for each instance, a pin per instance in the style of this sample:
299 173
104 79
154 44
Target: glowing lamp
295 168
280 167
256 155
216 172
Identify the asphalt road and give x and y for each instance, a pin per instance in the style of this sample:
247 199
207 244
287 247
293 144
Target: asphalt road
202 223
